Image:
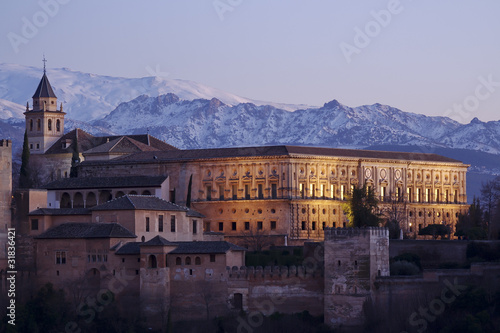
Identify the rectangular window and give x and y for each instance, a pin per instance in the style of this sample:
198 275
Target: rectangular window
342 192
207 226
221 192
221 226
233 226
408 192
212 258
398 193
273 225
302 191
234 190
419 195
259 225
60 257
312 188
313 227
274 191
436 195
324 225
247 192
260 190
172 223
303 225
427 195
160 223
382 193
195 227
34 224
247 225
209 192
332 192
31 146
446 194
147 224
322 191
456 196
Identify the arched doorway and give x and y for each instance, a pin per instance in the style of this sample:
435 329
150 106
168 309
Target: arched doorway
91 200
152 263
105 196
65 200
78 200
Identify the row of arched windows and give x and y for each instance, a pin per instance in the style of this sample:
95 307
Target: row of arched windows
91 199
49 125
178 261
153 262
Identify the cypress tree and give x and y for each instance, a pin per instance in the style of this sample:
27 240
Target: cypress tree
188 199
75 159
25 174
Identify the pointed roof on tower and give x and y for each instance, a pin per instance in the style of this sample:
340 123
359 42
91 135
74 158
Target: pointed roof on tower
44 88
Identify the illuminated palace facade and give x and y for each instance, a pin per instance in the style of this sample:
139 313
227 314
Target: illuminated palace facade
288 194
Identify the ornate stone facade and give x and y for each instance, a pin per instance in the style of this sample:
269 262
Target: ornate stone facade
292 193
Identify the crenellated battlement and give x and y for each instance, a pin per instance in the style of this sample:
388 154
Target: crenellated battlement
272 272
5 143
342 233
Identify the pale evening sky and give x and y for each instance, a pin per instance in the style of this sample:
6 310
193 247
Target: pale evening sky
430 57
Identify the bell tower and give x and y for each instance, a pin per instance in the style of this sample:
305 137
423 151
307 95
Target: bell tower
44 123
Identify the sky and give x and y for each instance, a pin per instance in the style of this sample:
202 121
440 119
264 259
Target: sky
439 58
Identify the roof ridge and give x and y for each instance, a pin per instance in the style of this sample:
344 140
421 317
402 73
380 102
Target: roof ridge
128 198
117 142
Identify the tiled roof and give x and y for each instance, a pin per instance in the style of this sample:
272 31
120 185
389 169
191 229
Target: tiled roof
129 248
205 247
157 241
291 151
106 182
60 211
139 202
123 144
193 213
44 88
87 142
87 230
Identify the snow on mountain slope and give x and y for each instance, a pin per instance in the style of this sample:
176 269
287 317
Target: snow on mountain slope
88 96
205 123
11 110
476 135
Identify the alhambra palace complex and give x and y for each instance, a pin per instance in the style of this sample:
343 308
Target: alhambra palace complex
123 223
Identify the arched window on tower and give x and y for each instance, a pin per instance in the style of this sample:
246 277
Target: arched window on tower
49 125
31 124
58 125
38 124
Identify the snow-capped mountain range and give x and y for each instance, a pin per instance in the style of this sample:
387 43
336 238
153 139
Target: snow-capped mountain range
211 123
88 96
189 115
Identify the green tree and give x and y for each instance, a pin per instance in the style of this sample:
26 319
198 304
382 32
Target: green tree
75 160
25 174
435 230
490 200
188 199
361 208
472 224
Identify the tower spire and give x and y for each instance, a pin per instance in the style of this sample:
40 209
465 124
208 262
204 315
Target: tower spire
44 61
